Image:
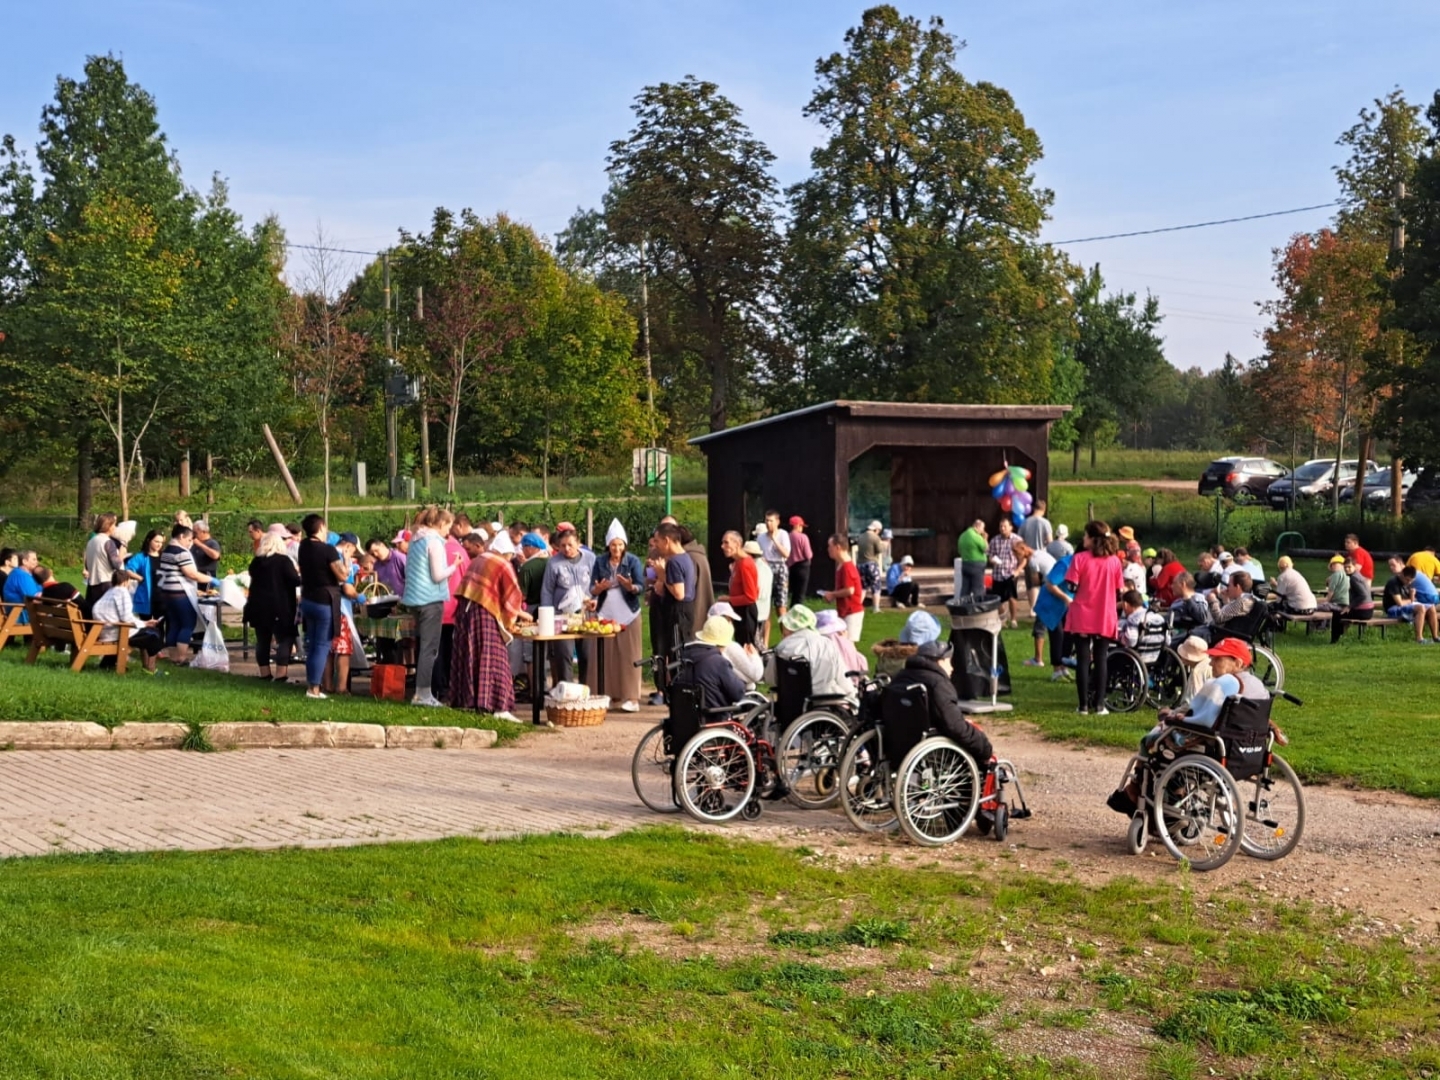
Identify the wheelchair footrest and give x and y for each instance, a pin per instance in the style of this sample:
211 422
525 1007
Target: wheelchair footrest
1018 813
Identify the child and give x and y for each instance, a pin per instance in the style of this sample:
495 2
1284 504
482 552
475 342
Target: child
1132 619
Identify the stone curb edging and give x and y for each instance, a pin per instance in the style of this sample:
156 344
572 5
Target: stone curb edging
256 735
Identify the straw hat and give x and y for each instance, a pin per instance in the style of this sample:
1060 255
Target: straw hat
718 631
1193 649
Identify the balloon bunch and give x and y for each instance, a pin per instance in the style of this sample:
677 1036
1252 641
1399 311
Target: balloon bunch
1011 488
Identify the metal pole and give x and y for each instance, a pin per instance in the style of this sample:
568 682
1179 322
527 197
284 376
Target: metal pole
424 405
392 449
667 485
1397 464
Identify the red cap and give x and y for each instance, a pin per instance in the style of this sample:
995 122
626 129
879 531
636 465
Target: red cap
797 522
564 526
402 537
1233 648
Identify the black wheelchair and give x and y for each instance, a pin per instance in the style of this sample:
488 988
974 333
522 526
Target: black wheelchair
899 771
1207 793
815 728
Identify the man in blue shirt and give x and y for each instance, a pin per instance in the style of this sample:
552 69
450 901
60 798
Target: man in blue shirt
20 583
1426 605
566 587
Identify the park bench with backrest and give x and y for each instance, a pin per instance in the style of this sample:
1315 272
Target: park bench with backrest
10 624
59 625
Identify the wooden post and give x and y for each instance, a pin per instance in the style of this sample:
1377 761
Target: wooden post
280 461
185 475
590 527
209 478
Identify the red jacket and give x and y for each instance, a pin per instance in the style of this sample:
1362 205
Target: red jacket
744 582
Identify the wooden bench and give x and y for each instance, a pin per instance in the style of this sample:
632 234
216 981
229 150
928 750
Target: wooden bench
10 624
1382 622
1316 620
57 624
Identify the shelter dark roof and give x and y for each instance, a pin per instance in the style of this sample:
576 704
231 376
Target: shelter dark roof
901 410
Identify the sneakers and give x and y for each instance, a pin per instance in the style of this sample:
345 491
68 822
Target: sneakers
1030 661
1083 711
1062 675
629 706
428 701
657 699
316 695
1102 711
508 717
1067 661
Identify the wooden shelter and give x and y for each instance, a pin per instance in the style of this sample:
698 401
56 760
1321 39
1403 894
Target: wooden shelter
922 470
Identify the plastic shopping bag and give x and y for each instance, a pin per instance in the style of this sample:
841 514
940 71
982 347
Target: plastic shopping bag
213 656
233 590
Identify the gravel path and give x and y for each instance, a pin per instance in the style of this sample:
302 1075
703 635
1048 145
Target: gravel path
1375 853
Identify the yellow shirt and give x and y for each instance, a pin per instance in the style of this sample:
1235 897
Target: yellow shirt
1425 562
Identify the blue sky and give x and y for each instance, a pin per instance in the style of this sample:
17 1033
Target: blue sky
364 116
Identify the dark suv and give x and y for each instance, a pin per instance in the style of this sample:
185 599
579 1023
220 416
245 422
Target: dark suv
1313 479
1241 477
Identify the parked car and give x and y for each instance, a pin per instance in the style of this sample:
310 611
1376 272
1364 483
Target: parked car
1425 492
1314 478
1240 477
1376 488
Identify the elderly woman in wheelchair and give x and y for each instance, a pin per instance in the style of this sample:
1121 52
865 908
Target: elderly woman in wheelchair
1206 780
929 762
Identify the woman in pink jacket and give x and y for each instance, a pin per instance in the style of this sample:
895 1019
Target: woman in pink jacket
1096 577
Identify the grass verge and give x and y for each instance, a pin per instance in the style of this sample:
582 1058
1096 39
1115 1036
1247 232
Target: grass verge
664 953
49 690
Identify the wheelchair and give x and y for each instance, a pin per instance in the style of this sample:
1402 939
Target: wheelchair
1151 672
815 728
1208 793
1256 629
937 790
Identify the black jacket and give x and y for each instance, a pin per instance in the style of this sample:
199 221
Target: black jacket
273 581
945 709
709 672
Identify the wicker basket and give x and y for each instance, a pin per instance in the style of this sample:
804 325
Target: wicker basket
587 713
890 655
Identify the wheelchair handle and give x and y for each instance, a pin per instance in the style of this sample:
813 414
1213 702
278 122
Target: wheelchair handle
1289 697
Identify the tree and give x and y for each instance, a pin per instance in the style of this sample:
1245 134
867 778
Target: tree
913 267
1121 354
326 356
1384 146
1415 293
693 183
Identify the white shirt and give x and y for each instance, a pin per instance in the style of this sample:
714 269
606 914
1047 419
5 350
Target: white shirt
1134 575
116 609
749 666
766 578
827 670
776 548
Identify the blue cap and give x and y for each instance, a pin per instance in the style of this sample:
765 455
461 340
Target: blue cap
349 538
533 540
920 629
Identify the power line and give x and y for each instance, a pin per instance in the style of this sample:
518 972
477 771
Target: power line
1197 225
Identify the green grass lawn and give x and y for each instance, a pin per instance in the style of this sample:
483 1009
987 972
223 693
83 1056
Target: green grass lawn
1124 464
51 691
668 954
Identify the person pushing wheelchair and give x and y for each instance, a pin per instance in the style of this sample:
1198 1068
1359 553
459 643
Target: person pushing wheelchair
1230 661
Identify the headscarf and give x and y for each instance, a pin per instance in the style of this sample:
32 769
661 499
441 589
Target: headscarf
533 540
490 582
616 532
502 544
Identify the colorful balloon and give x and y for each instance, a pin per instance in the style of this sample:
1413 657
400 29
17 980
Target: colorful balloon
996 477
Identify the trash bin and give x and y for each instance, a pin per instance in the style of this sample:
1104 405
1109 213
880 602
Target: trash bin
979 651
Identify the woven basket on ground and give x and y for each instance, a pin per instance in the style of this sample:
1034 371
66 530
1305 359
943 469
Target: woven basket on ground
587 713
890 655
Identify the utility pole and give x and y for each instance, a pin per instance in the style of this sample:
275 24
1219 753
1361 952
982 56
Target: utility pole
1397 464
392 450
424 406
645 337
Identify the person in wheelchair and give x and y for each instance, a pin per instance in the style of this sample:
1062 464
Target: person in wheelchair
1229 664
931 667
703 666
803 641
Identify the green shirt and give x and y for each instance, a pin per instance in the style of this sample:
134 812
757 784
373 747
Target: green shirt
869 546
1338 587
972 546
532 577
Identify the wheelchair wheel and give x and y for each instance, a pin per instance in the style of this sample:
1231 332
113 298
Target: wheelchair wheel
1274 811
808 757
715 775
1138 834
867 786
1167 679
1002 821
1125 683
1197 812
1269 668
651 771
937 792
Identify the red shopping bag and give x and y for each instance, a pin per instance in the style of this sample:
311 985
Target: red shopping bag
387 681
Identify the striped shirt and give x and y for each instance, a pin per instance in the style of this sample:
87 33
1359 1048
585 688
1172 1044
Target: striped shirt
170 574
